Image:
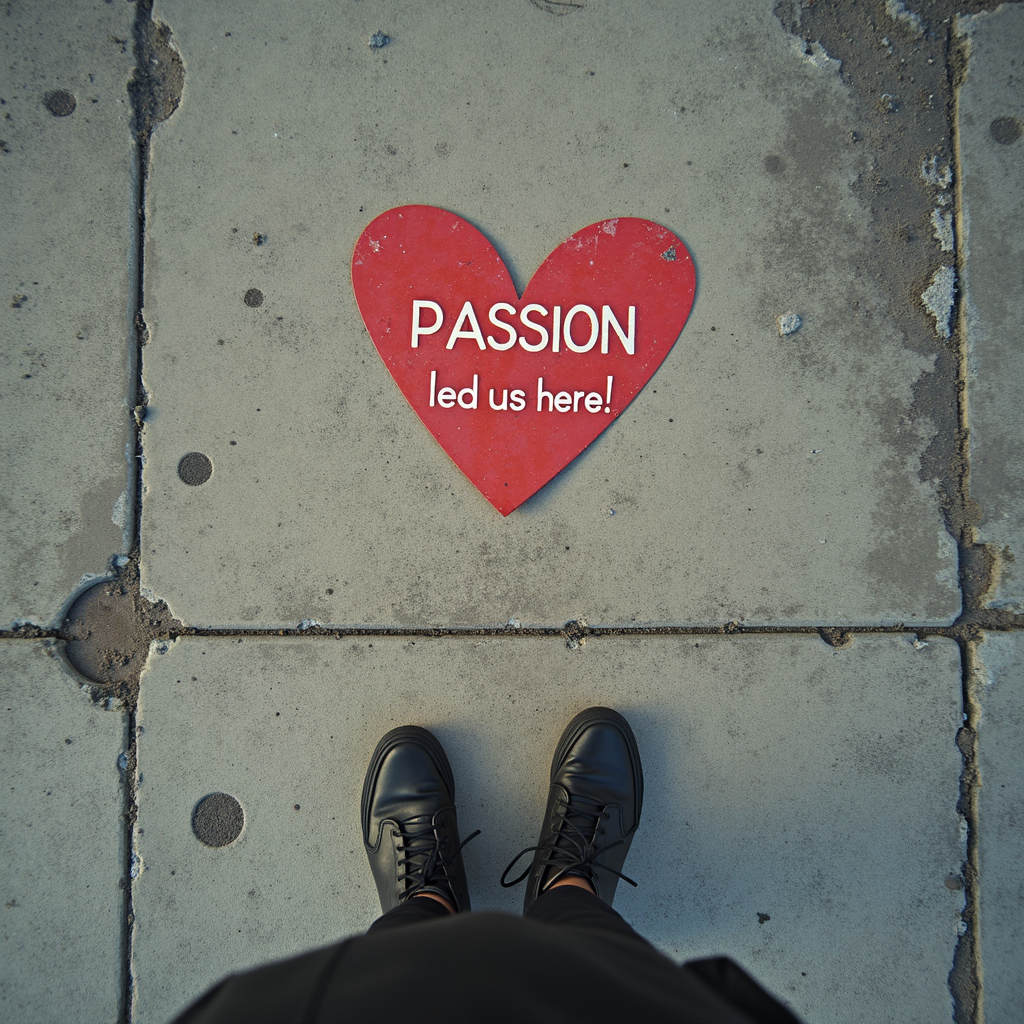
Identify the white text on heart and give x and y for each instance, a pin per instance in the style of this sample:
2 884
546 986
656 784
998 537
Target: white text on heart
581 319
547 401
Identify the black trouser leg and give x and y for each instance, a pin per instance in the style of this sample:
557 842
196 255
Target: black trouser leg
570 905
411 911
564 905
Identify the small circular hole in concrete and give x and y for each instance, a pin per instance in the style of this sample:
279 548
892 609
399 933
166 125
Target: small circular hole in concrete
1006 130
195 469
217 820
254 297
60 103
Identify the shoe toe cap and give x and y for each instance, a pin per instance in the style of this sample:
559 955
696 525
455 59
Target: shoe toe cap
407 783
603 764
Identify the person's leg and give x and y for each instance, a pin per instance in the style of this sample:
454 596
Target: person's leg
410 831
411 911
576 907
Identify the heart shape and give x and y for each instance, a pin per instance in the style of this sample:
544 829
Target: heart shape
513 389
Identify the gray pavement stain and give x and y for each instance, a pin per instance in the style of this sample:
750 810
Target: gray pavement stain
904 76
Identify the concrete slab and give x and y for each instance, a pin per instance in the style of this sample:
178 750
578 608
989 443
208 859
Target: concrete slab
61 847
800 808
758 478
65 233
991 125
1001 833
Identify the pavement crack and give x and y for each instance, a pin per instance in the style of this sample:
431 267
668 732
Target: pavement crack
965 976
155 91
964 630
109 629
980 564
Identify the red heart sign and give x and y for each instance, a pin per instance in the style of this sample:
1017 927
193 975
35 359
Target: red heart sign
513 389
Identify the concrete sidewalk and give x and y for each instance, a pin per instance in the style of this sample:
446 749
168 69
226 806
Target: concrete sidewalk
790 562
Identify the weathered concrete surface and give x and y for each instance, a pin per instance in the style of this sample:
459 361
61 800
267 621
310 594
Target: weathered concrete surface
991 125
1001 833
61 846
757 478
814 787
65 235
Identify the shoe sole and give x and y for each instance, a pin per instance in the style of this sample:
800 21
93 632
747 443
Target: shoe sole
603 716
403 734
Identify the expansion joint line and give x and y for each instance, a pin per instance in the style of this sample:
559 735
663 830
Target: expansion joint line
837 635
976 562
138 88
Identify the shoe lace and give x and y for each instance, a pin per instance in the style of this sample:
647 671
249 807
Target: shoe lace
574 848
424 856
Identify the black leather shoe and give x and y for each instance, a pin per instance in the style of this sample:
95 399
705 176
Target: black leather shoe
597 791
409 827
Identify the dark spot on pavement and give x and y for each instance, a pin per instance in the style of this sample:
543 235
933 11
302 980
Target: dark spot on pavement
254 297
194 469
217 820
60 103
1006 130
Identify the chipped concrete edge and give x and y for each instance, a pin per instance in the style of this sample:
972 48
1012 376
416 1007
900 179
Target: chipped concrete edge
939 298
898 11
787 13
